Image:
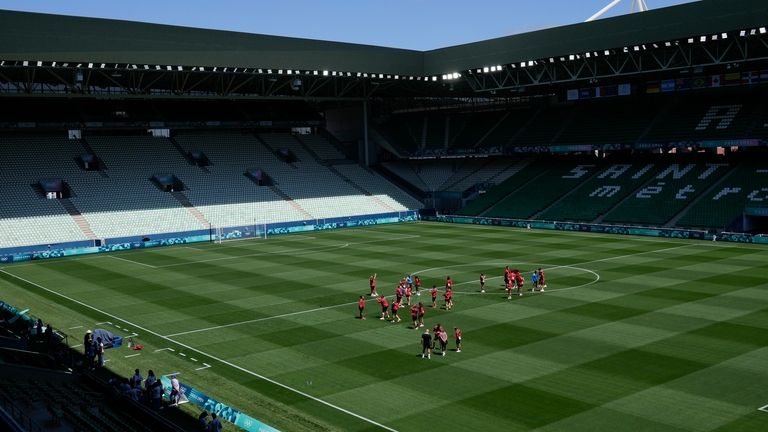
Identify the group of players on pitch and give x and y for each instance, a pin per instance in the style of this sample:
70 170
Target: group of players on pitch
410 286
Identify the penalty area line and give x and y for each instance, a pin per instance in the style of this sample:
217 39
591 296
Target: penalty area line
763 408
202 353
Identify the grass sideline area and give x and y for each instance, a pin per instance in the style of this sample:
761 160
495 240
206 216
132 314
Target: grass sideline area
639 334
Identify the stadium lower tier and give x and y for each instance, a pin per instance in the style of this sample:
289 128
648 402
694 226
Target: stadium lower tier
148 185
681 192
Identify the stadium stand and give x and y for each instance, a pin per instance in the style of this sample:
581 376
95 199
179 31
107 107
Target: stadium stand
518 175
26 215
557 178
600 193
667 193
746 186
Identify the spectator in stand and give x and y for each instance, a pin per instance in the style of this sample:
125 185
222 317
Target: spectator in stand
135 393
156 395
215 424
124 388
202 421
100 351
136 379
87 341
39 329
48 336
151 380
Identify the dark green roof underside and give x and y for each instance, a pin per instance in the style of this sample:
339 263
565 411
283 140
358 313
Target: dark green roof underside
30 36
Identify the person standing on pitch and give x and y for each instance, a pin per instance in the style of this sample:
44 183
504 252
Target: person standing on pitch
372 284
457 334
482 282
426 344
361 306
534 280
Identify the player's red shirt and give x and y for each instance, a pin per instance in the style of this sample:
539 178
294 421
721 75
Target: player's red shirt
520 280
541 276
457 333
361 303
421 310
433 291
383 301
448 294
407 291
482 279
509 284
417 282
395 307
449 283
414 311
372 281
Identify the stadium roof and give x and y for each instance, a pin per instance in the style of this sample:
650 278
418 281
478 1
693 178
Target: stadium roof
43 37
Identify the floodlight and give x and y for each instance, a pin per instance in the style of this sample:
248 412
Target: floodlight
365 75
703 39
157 67
607 52
146 67
743 33
445 77
762 30
531 63
325 73
498 68
359 74
90 65
315 73
752 32
381 76
588 55
636 48
493 68
215 69
434 78
397 77
690 40
714 37
269 71
486 69
261 71
551 60
53 64
724 35
39 63
668 44
571 57
456 75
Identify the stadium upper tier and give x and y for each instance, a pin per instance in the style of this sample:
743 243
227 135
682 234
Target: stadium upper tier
716 114
122 201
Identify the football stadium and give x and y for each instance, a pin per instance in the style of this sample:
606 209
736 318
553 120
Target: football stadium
560 230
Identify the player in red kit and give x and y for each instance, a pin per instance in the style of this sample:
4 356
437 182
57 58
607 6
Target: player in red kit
448 299
408 295
415 316
519 281
542 280
433 291
395 314
372 284
384 307
448 283
509 287
399 294
482 282
361 306
417 284
457 334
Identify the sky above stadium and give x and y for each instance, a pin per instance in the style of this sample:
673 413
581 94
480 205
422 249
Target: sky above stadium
411 24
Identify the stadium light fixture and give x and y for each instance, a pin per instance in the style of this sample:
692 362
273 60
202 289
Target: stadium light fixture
724 36
743 33
571 57
157 67
325 73
762 30
90 65
486 69
39 63
397 77
702 39
753 32
690 40
667 44
588 55
314 72
607 53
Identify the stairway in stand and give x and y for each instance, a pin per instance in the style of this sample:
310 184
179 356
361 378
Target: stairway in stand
83 224
184 201
291 202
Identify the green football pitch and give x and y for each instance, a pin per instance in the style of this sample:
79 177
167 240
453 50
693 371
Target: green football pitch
633 334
